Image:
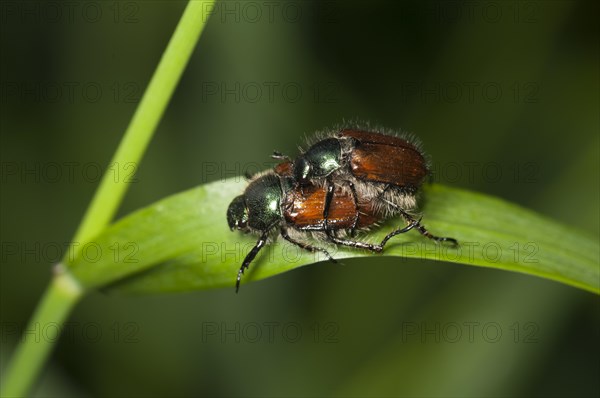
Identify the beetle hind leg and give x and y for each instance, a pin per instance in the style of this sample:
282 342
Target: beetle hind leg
420 227
352 243
423 231
306 246
412 224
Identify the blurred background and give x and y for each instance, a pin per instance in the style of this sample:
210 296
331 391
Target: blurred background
503 94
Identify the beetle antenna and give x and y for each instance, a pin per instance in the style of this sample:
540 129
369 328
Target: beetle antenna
280 156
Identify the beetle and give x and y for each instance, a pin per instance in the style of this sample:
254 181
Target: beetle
271 204
375 165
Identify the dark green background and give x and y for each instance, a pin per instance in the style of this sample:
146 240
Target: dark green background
503 94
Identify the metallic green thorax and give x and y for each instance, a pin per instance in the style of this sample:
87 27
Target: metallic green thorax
263 201
320 160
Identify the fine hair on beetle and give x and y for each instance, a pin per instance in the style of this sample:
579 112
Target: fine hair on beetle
331 158
373 163
349 179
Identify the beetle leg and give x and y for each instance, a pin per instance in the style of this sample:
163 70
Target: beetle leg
259 245
354 197
306 246
376 248
328 198
411 225
382 193
354 243
423 231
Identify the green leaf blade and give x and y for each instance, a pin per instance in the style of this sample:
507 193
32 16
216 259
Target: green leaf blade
183 243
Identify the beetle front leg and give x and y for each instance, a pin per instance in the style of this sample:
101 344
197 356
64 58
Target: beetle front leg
369 246
330 187
259 245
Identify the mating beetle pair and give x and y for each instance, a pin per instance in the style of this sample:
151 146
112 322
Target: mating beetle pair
344 183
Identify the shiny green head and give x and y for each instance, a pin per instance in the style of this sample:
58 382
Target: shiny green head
237 213
320 160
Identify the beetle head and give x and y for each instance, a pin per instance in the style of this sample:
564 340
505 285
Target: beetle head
237 213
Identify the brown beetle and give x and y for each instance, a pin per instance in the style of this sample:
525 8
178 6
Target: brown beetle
376 166
272 203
